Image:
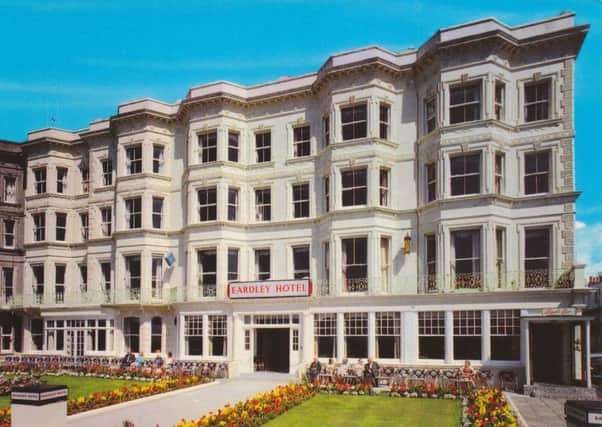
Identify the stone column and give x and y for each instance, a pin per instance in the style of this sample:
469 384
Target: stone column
449 337
340 336
409 337
307 338
371 334
485 336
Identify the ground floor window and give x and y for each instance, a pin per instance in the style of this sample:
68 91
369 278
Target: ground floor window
388 335
6 335
55 335
505 335
156 334
193 335
218 333
325 334
431 335
356 335
37 334
467 335
131 333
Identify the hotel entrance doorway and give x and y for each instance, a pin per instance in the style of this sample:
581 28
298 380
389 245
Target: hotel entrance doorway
272 349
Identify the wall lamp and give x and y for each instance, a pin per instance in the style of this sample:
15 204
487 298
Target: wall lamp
407 244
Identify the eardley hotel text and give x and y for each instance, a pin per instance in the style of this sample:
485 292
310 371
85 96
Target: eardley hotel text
270 289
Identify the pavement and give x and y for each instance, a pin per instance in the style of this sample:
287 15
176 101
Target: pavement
538 412
167 409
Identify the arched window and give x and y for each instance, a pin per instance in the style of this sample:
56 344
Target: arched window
156 334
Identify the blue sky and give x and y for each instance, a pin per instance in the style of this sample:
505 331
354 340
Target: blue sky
74 61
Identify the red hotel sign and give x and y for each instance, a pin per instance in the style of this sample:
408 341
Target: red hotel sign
270 289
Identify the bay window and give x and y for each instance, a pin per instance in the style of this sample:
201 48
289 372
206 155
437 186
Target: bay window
207 198
39 227
232 204
301 262
355 187
157 212
133 213
301 200
466 258
354 121
384 178
207 272
158 158
537 172
301 141
10 189
208 147
133 160
384 112
355 264
61 226
537 257
465 174
537 101
157 277
156 334
233 144
39 175
262 264
263 204
61 180
59 283
263 147
232 264
9 233
133 276
465 103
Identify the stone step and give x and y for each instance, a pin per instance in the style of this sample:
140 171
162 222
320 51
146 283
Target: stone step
554 391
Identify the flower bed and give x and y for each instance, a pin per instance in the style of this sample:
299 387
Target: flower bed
488 408
125 394
339 387
427 390
257 410
5 417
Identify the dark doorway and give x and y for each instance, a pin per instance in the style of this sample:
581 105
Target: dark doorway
546 352
272 349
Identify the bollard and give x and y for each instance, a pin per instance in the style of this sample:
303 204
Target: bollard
39 405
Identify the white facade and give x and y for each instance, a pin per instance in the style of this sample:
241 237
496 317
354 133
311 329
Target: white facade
432 180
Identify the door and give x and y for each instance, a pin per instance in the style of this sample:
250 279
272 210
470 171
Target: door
546 352
272 349
578 353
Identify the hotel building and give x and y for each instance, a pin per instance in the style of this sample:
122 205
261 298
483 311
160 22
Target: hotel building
417 207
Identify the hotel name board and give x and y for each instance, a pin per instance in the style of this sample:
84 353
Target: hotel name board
270 289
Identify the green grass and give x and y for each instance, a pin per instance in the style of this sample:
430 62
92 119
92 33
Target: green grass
78 386
377 411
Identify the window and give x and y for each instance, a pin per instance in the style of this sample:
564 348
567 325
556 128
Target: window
325 334
84 225
10 189
301 141
537 172
263 146
498 173
465 174
133 213
354 122
326 130
301 262
263 204
158 158
430 114
326 181
85 174
232 264
431 335
105 268
356 335
385 262
500 255
156 334
133 276
465 103
431 262
208 147
355 264
38 281
40 180
193 335
233 143
83 277
61 180
61 226
207 204
262 264
466 253
157 212
55 335
467 335
355 189
8 285
384 175
537 101
431 182
295 340
157 277
106 215
39 227
505 334
107 172
232 204
324 288
37 334
131 333
59 283
207 274
499 100
218 333
537 257
301 200
388 335
384 113
134 159
9 233
247 340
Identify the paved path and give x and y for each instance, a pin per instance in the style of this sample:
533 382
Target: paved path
189 404
538 412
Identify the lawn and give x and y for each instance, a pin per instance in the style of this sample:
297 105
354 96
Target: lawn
78 386
379 411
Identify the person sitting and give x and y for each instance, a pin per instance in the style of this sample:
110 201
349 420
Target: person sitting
128 359
158 362
140 360
371 372
169 363
358 368
343 369
467 373
314 370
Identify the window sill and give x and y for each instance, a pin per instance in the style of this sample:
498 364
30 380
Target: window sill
361 141
261 165
104 188
303 159
143 176
538 123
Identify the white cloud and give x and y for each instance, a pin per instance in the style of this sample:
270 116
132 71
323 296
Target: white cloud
588 250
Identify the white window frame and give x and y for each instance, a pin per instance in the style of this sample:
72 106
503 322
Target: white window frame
298 272
158 159
354 188
131 159
233 148
10 197
206 208
131 214
261 205
106 225
300 200
158 215
62 174
355 122
384 128
9 235
259 274
233 204
384 187
301 141
84 220
40 175
39 226
466 104
57 227
549 101
107 171
207 145
207 280
261 150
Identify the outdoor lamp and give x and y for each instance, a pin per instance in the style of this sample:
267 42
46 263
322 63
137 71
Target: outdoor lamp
407 244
